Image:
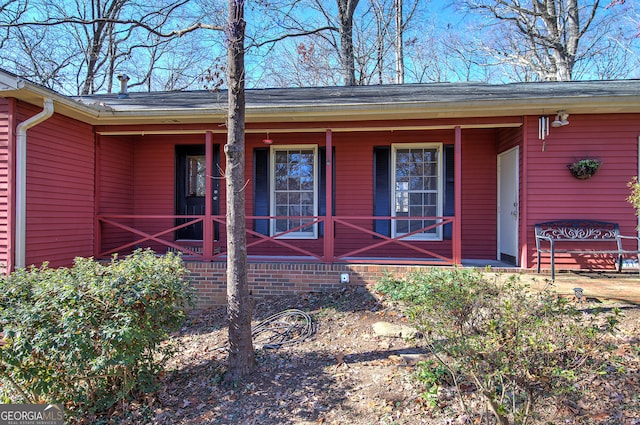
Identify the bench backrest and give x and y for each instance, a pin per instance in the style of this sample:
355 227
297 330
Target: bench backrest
582 230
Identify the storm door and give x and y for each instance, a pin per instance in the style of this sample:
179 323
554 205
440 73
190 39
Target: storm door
190 188
508 205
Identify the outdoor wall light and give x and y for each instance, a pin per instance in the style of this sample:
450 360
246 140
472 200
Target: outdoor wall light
561 119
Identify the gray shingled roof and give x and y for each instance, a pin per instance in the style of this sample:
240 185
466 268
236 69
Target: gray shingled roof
369 95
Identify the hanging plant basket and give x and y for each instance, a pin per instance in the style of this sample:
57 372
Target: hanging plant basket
584 168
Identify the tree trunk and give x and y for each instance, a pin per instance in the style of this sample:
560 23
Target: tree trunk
241 356
346 8
399 43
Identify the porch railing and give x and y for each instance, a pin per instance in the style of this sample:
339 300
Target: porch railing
416 251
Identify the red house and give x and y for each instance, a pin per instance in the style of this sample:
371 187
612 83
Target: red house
340 180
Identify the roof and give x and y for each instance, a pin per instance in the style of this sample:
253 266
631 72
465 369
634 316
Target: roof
318 104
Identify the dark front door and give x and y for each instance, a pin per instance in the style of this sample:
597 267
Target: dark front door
191 178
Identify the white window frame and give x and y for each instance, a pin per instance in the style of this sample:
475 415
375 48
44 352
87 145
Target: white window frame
437 236
313 233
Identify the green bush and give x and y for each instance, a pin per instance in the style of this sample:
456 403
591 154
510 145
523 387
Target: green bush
90 335
515 345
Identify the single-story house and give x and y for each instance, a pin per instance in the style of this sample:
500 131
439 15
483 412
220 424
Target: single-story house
342 183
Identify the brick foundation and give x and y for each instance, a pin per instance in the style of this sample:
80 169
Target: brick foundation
267 279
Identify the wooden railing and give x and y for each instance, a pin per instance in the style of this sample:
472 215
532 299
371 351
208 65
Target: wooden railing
421 252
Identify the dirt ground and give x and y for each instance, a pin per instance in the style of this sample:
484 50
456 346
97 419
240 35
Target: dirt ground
345 374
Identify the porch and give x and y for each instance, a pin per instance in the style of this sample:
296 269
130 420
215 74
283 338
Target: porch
350 224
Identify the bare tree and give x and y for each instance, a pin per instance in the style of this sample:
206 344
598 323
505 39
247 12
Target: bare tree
98 35
544 36
239 308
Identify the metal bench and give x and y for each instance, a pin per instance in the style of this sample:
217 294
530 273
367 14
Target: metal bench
551 233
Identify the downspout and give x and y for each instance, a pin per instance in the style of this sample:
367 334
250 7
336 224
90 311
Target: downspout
21 180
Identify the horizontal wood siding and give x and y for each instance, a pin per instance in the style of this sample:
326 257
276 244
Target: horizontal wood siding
508 138
5 179
555 194
60 190
479 194
116 187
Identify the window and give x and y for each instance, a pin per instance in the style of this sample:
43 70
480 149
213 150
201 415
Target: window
294 193
417 190
196 169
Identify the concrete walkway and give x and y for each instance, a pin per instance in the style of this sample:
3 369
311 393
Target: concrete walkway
613 286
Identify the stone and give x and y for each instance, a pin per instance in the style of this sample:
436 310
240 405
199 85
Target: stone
392 330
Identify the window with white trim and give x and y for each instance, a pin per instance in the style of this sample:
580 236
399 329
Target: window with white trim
417 190
294 194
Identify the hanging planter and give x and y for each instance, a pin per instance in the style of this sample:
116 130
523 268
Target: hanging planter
584 168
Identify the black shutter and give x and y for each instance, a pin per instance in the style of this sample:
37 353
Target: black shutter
449 194
261 189
382 188
322 185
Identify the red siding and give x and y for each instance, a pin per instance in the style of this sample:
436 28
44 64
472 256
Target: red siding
479 194
6 125
60 190
508 138
116 165
555 194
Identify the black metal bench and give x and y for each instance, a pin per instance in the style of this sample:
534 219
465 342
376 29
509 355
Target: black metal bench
587 231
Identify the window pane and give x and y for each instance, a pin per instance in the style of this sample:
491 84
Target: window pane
294 198
402 226
416 183
282 225
281 198
197 175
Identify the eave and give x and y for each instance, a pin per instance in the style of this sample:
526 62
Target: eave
507 105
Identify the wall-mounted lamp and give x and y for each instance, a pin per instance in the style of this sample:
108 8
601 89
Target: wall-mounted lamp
267 141
561 119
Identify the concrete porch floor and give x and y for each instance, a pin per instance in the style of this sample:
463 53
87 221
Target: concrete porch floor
598 285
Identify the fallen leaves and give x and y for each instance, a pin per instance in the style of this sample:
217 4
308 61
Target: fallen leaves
347 375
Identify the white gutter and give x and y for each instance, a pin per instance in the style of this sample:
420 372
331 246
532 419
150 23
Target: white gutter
21 180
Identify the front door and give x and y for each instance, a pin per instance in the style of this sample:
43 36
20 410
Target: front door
508 205
190 187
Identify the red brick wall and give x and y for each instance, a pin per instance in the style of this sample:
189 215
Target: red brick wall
266 279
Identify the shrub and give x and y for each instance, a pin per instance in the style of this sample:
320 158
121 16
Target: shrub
90 335
515 345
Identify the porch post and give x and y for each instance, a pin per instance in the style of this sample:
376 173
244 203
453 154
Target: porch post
457 224
328 216
207 225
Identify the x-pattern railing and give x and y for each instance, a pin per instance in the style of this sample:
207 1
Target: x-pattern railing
427 256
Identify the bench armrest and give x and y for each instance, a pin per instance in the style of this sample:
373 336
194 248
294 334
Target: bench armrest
546 238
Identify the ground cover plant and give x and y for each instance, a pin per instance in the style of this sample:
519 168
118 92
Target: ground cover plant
519 349
92 335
